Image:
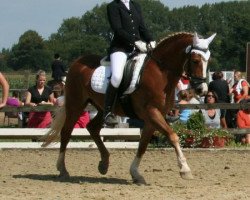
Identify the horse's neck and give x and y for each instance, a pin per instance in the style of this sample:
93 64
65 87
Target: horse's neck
171 60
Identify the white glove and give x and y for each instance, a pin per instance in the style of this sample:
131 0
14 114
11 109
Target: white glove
152 44
142 46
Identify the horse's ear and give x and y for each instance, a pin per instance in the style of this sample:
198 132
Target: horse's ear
210 39
195 38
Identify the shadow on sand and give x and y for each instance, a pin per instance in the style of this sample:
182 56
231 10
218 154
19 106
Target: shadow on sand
74 179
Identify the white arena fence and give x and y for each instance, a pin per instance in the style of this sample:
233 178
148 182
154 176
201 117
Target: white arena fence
113 138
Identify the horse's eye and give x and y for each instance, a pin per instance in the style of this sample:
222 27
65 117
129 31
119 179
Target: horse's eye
195 61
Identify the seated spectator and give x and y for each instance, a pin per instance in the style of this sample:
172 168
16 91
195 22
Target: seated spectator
243 121
182 84
211 116
14 101
193 99
83 119
39 94
185 113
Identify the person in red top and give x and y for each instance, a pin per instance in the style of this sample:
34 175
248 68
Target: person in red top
83 120
240 88
243 121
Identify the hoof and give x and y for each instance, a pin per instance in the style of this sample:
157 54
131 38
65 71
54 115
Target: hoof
139 181
103 167
187 175
64 176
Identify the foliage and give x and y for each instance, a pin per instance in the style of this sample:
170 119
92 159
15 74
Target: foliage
91 33
196 122
29 53
195 131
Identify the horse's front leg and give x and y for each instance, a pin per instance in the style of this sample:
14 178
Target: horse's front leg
160 124
145 139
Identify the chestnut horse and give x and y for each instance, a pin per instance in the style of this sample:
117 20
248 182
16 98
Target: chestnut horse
152 99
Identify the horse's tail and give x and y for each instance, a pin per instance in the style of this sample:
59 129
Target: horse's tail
53 135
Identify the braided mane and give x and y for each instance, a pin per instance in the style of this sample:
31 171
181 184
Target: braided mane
174 36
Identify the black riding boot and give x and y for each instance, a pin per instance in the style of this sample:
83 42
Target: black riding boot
110 97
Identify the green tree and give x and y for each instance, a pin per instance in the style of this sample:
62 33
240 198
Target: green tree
29 53
91 33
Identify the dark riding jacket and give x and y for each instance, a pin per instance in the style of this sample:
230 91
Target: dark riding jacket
128 26
58 70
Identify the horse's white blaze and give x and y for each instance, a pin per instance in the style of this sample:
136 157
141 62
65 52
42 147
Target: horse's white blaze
204 73
134 167
204 70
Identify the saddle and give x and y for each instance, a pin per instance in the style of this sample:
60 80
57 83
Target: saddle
129 83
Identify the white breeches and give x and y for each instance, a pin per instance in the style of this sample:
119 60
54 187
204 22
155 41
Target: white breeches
118 61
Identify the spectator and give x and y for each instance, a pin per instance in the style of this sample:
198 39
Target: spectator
58 68
83 120
193 99
5 90
240 91
14 100
182 84
221 87
243 121
240 88
185 113
39 94
211 116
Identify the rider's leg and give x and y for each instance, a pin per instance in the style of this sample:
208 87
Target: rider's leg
118 61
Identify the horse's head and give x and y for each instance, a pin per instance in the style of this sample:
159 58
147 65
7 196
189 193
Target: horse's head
196 68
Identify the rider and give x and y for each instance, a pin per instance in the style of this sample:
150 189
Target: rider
126 21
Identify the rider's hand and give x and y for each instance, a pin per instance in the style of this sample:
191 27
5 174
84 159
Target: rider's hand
152 45
142 46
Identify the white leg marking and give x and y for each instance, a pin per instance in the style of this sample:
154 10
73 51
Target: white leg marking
182 162
134 168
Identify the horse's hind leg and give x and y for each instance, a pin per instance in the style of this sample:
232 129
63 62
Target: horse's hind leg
94 128
72 115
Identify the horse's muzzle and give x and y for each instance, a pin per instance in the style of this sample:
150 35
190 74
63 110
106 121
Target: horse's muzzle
199 85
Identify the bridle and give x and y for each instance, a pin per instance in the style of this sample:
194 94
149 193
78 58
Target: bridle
194 80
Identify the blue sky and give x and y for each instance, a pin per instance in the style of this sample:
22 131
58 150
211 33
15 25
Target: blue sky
46 16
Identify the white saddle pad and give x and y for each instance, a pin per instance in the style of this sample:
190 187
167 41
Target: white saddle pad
100 77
